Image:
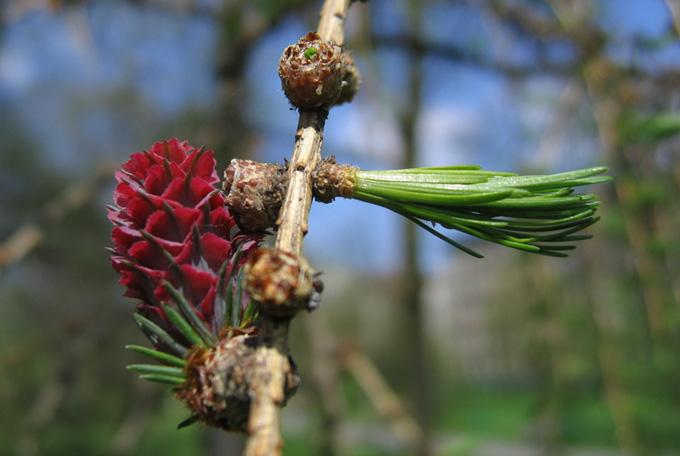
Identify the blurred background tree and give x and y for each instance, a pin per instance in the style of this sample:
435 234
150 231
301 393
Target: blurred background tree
416 348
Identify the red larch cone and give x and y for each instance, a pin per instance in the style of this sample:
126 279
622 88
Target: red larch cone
172 227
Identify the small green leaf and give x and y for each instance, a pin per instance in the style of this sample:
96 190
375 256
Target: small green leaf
188 422
156 369
159 335
229 297
158 355
189 314
467 250
182 325
249 312
167 379
238 301
226 288
221 313
310 53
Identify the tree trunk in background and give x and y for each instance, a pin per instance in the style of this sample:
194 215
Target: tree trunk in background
413 281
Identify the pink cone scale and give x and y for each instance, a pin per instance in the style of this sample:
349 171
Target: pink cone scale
173 234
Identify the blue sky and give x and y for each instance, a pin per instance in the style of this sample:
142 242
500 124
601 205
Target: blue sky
96 83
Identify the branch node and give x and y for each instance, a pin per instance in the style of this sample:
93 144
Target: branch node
280 282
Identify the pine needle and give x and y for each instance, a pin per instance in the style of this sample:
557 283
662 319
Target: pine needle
535 213
165 358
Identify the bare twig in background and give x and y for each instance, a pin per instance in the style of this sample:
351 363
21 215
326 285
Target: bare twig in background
136 422
385 401
330 359
526 19
27 237
464 54
326 369
268 390
19 244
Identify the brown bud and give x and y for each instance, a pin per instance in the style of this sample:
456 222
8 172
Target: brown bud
280 282
331 179
311 72
255 193
219 381
351 78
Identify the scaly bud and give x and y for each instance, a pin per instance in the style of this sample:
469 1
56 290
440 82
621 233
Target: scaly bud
311 72
255 193
218 381
280 282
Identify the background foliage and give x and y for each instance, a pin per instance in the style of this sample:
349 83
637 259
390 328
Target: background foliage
507 355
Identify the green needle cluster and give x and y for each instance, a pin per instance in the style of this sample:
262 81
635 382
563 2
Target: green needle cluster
539 214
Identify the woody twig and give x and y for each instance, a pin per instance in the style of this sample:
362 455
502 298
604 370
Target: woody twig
280 279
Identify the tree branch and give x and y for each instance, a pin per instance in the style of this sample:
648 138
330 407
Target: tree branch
27 237
272 359
332 21
382 397
292 222
465 55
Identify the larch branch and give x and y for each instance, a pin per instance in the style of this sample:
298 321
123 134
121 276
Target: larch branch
268 389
